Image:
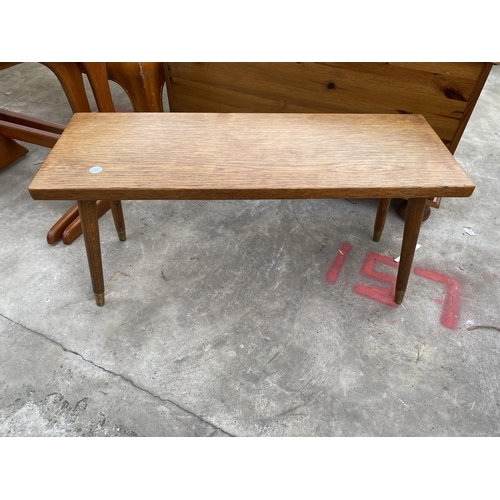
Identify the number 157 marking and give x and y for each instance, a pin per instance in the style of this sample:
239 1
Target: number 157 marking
385 294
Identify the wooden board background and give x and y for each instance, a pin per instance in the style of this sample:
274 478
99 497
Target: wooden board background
444 93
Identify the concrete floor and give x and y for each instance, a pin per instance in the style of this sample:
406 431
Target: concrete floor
220 319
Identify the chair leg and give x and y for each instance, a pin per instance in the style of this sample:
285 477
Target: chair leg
70 77
143 83
98 78
10 151
56 231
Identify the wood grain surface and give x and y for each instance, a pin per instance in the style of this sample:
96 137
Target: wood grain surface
248 156
444 93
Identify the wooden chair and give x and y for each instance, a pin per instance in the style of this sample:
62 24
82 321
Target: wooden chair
143 83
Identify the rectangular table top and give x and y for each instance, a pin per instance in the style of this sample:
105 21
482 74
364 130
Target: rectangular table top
248 156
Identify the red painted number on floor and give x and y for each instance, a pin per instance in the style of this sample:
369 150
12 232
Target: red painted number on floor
451 303
385 294
333 273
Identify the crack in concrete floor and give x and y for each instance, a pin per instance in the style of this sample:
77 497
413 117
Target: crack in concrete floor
124 378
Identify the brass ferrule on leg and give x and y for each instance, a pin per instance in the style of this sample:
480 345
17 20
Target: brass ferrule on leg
377 235
99 299
122 235
399 297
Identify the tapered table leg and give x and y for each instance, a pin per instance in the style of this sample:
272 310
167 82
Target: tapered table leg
383 208
413 222
90 229
117 211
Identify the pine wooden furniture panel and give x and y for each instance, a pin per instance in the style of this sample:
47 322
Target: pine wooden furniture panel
212 156
445 93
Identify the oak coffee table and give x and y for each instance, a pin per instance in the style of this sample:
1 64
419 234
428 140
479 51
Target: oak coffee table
246 156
